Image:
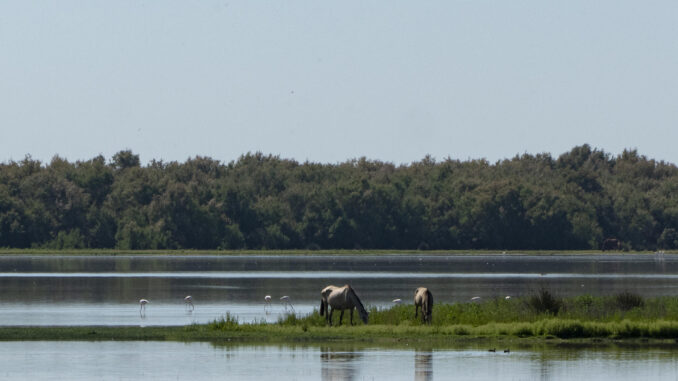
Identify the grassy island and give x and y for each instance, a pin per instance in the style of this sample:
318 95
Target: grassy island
540 317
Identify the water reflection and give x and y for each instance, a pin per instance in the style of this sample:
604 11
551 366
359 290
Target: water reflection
339 365
105 290
423 365
174 360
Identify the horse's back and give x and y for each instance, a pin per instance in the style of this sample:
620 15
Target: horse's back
421 294
328 289
336 297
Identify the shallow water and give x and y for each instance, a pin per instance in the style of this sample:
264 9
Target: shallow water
104 290
171 360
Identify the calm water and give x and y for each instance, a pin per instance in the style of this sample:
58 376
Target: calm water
198 361
104 290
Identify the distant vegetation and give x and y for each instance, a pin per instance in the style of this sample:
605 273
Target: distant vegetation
530 202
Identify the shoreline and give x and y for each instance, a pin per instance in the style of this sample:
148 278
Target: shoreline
584 334
338 252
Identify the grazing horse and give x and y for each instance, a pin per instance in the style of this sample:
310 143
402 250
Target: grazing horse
423 299
611 244
340 298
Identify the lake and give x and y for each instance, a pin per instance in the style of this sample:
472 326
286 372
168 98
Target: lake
202 361
105 290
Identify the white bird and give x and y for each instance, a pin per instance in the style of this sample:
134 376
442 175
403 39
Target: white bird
267 304
475 298
397 301
507 297
142 304
285 300
189 302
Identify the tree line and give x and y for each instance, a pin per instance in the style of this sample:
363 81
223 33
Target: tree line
260 201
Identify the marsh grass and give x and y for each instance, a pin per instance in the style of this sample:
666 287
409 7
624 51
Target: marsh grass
543 302
615 308
227 321
624 315
628 301
621 316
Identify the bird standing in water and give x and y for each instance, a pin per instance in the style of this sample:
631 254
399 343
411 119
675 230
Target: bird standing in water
142 306
189 302
285 300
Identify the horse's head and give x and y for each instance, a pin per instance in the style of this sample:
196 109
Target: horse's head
355 300
364 315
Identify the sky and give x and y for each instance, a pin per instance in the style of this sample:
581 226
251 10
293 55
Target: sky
333 81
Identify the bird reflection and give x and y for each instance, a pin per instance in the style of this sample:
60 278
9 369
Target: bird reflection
423 365
339 365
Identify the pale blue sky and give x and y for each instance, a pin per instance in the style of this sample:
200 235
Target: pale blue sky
331 81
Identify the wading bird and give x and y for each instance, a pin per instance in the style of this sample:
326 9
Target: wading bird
142 306
267 302
189 302
285 300
397 301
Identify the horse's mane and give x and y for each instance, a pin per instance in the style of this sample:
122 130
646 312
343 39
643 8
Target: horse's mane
358 303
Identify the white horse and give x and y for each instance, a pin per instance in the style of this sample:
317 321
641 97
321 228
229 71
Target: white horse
341 298
423 299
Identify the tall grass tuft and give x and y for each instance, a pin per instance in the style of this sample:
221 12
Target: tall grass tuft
227 322
628 301
545 302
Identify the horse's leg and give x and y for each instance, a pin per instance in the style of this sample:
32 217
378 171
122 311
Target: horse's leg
352 315
329 316
415 310
341 317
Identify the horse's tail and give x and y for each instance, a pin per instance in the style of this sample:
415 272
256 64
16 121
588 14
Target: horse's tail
322 306
358 305
429 304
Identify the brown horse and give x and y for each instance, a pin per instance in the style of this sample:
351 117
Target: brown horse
341 298
423 299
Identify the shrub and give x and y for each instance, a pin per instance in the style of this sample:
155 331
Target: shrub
545 302
627 301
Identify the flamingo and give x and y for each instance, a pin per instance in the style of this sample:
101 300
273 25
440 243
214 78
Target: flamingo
267 302
189 302
285 300
142 306
397 301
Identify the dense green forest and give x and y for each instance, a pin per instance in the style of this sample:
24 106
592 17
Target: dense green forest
260 201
